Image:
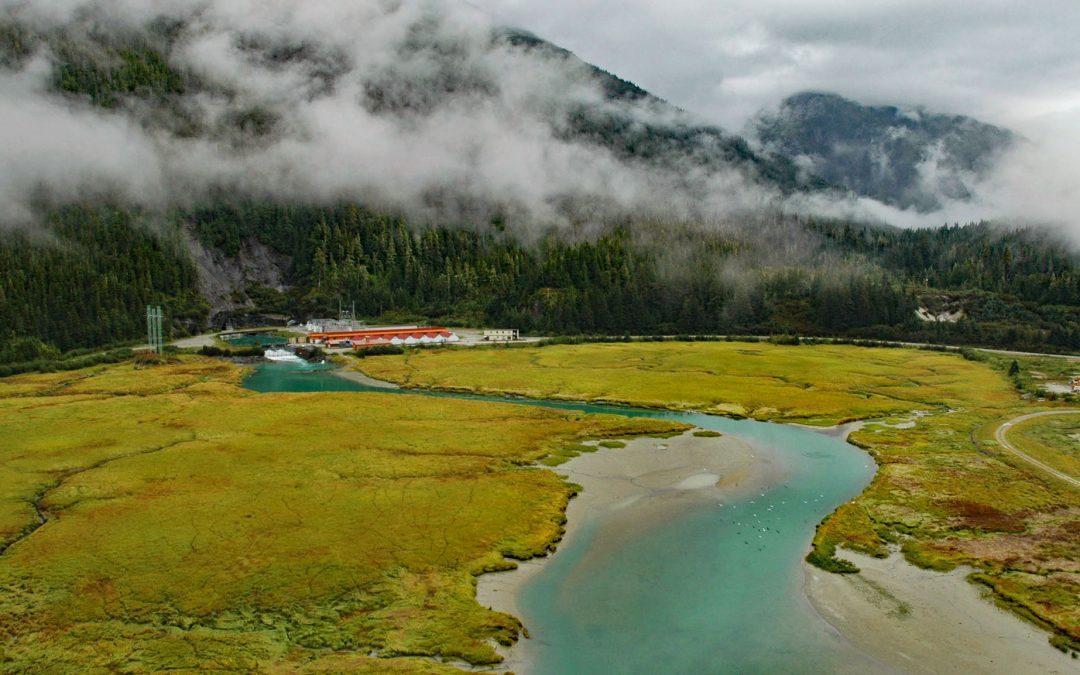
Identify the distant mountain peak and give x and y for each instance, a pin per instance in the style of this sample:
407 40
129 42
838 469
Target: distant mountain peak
908 157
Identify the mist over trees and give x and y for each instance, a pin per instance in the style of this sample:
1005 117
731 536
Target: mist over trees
414 160
89 285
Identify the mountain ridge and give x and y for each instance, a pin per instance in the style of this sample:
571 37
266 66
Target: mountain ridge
910 158
435 168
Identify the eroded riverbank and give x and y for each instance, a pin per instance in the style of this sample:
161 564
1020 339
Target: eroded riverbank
684 555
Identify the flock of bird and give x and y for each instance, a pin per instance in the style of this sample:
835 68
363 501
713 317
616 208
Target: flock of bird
759 527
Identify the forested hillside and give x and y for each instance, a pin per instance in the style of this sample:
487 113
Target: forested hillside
1016 288
86 278
615 283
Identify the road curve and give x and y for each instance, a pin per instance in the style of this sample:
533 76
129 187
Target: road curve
999 436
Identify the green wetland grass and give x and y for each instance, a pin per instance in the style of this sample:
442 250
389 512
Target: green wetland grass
191 524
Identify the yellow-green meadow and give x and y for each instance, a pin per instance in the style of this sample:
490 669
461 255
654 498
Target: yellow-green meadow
821 385
164 517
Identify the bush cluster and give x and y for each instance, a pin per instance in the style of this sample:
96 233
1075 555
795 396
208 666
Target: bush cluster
211 350
380 350
46 365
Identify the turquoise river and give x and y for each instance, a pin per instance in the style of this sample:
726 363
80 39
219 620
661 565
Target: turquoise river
714 590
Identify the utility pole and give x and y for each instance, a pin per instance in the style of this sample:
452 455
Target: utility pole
153 329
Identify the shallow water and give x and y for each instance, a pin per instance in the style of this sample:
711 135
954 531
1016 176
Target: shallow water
714 589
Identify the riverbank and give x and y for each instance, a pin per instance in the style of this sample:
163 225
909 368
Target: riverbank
630 491
353 375
921 621
305 497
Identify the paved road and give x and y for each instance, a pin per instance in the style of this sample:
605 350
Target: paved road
999 435
193 342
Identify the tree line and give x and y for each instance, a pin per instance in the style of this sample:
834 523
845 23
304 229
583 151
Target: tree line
85 276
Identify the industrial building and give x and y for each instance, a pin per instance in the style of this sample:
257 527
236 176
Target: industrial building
370 337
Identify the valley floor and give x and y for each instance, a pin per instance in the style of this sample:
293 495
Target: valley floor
159 515
946 493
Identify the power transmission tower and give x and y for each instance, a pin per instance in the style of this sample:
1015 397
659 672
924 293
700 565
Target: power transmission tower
153 328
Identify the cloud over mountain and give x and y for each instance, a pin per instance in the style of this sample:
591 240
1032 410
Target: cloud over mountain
417 105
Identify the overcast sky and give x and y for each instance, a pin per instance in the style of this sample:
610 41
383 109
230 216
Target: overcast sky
1012 62
1008 62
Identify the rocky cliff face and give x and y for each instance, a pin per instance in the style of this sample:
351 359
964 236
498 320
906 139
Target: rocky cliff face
224 280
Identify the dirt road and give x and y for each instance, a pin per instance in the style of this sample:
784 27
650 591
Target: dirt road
1000 432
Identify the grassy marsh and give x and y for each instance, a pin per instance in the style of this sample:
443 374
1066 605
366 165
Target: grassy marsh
191 524
819 385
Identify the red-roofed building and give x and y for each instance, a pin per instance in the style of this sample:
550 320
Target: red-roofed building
370 337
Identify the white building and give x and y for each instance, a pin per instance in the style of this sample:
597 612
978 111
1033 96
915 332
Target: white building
502 334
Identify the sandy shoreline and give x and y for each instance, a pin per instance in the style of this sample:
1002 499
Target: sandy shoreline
639 485
921 621
354 375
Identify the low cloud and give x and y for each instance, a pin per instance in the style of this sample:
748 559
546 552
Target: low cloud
1035 182
410 104
406 104
55 149
1011 64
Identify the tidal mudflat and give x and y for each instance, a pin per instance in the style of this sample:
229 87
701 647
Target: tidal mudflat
921 621
684 554
637 488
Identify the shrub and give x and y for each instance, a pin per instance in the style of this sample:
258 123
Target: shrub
211 350
971 354
21 349
53 365
611 444
147 358
310 352
792 340
830 563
